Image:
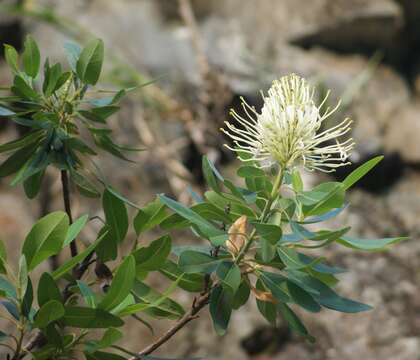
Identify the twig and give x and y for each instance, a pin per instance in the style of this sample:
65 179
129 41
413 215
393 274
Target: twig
198 304
67 206
45 206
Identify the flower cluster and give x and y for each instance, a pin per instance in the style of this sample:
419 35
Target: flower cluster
288 131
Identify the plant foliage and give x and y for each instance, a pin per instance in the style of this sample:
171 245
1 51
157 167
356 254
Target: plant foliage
254 243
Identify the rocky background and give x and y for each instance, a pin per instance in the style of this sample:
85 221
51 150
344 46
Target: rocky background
205 57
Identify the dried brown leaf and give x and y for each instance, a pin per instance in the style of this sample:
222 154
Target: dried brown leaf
237 235
263 295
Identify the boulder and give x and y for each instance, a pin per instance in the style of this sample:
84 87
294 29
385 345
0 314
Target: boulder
402 132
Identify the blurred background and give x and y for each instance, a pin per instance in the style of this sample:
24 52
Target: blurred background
202 56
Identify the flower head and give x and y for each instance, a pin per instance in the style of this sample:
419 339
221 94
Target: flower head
288 130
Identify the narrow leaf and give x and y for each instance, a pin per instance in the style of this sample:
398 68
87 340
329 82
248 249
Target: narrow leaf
89 64
121 284
361 171
31 57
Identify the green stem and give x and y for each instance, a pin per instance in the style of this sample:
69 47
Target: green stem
273 197
19 344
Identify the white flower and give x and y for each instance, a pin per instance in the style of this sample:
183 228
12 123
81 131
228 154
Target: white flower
288 130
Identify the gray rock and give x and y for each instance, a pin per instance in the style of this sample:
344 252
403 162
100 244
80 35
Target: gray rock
402 132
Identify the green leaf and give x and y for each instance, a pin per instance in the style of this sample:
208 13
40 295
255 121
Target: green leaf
7 288
301 233
88 318
75 229
369 244
64 77
51 76
38 162
28 298
215 171
70 264
224 201
319 266
267 251
262 185
32 184
22 276
45 238
325 295
189 282
31 57
117 220
303 298
121 284
241 194
132 309
3 336
121 197
110 337
270 232
87 293
204 209
361 171
48 290
220 309
128 301
80 146
230 275
21 88
241 296
73 51
100 355
177 250
322 198
297 182
294 322
6 112
99 114
11 308
290 258
109 100
205 227
89 64
250 171
328 215
211 180
197 262
108 248
116 216
105 142
266 308
152 257
18 160
54 79
3 258
166 308
275 283
85 187
149 217
12 57
48 313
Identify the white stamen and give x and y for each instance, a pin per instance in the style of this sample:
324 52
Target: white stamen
286 130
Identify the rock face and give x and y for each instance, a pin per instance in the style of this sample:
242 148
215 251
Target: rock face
402 133
335 44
